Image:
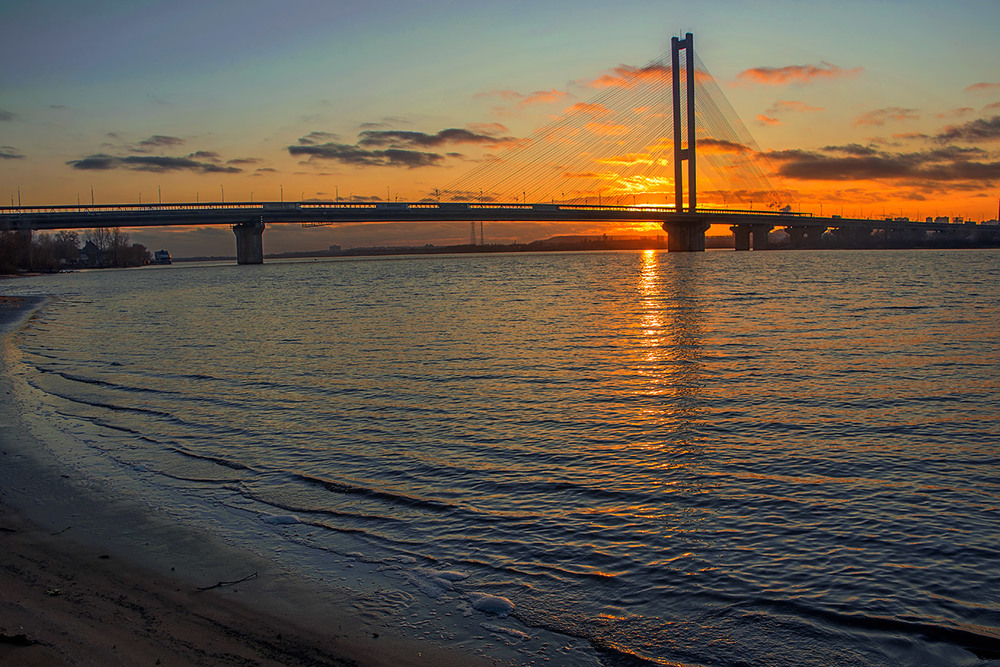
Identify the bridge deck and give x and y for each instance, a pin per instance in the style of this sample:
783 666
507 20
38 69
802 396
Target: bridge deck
327 213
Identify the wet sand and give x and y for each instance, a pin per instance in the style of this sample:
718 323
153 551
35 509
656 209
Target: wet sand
89 580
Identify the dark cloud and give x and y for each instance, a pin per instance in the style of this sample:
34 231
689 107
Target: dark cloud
388 121
722 146
7 115
266 170
424 140
157 141
393 148
853 149
10 153
154 163
314 138
855 162
980 129
243 160
58 106
205 155
354 155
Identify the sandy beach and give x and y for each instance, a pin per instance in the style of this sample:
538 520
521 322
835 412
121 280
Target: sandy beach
93 580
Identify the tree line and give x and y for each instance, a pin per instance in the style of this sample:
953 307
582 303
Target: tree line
26 251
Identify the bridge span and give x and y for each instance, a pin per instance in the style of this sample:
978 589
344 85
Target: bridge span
685 230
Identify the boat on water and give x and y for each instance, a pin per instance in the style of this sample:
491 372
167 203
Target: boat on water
161 257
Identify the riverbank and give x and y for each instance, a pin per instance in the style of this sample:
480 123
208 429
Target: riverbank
89 578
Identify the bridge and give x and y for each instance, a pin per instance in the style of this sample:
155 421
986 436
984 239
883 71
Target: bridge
640 159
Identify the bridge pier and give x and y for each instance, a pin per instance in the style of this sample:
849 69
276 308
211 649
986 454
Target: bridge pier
805 237
686 235
249 242
759 233
742 235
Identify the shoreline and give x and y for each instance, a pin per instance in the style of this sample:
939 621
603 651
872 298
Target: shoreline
90 578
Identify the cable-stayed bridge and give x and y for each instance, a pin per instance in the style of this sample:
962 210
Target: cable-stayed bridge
635 152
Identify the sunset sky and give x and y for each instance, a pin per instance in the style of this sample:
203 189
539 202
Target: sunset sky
862 108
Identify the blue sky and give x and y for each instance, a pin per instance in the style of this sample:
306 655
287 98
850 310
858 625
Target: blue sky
244 81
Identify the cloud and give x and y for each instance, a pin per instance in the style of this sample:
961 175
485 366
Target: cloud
314 138
7 115
388 121
607 129
154 163
980 129
354 155
983 88
781 106
956 113
155 142
721 146
859 163
205 155
537 97
452 135
880 117
767 120
544 97
10 153
853 149
488 128
776 76
592 108
627 76
244 160
990 107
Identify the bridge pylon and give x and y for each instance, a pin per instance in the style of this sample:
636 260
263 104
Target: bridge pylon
686 232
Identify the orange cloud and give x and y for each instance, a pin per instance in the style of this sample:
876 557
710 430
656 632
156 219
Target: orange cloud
629 159
776 76
956 113
988 107
879 117
592 108
544 97
583 174
982 87
607 129
766 120
627 76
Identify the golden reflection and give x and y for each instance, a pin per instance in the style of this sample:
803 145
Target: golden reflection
668 350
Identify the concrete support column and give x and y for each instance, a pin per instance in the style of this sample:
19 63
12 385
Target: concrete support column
742 234
249 242
796 236
759 233
686 236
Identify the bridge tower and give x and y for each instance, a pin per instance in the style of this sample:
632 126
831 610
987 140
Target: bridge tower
684 233
687 122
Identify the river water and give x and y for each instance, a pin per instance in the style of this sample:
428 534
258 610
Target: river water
778 458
